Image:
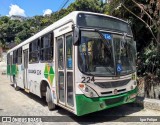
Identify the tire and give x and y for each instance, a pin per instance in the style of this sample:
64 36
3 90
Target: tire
49 101
15 84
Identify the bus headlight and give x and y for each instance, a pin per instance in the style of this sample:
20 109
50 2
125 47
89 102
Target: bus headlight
89 92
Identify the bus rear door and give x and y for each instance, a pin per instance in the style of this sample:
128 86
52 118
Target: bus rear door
25 70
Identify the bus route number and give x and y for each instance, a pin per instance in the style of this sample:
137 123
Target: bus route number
87 79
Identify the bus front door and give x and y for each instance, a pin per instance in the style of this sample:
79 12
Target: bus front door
64 70
25 70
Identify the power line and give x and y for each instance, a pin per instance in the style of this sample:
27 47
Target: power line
63 5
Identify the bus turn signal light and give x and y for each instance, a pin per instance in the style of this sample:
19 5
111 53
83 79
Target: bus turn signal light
81 85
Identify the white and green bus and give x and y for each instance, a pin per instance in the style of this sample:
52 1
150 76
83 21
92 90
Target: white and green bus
84 62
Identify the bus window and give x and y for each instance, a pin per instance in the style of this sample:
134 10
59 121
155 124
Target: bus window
8 59
15 58
60 54
61 87
69 52
70 100
34 51
8 63
47 47
20 55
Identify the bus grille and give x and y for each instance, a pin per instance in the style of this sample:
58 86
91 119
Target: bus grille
114 100
112 84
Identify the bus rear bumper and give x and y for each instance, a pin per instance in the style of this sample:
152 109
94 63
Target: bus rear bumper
87 105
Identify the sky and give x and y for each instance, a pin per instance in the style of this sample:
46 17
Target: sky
29 8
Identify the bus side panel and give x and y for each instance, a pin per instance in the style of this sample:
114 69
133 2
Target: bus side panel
13 70
87 105
38 72
35 75
19 76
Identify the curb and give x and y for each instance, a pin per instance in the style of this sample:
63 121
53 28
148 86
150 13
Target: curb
147 103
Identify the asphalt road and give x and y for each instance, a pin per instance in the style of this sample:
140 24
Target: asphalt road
19 103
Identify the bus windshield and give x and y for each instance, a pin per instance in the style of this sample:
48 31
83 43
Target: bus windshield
100 57
125 53
95 55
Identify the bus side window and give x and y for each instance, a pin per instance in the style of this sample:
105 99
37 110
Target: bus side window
46 51
34 51
8 59
15 57
20 56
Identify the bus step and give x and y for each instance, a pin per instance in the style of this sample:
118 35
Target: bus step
26 90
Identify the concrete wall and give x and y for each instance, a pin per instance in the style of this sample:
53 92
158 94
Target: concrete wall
149 87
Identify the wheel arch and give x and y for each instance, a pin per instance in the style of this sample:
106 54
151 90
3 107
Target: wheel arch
43 87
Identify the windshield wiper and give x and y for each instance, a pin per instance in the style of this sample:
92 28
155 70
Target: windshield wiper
107 68
104 40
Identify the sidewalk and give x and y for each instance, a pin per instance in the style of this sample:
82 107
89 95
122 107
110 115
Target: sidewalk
147 103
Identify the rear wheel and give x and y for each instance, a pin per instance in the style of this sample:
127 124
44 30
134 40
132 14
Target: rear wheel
49 101
15 84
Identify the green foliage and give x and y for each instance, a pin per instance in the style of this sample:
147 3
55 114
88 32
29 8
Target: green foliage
17 31
149 60
88 5
146 29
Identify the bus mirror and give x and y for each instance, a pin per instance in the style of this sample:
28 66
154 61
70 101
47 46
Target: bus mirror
76 35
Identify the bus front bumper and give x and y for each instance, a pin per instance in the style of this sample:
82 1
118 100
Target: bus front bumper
87 105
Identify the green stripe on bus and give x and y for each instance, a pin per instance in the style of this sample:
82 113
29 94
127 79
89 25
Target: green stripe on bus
8 70
87 105
12 70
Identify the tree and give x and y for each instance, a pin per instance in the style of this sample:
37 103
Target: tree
89 5
144 17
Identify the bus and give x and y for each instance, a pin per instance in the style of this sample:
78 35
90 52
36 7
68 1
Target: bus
84 63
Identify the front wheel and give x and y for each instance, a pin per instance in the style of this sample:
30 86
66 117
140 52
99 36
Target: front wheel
15 84
49 101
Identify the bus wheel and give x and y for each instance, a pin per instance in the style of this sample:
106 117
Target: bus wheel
15 84
49 101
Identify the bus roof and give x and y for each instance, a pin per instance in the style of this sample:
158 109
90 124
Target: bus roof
70 17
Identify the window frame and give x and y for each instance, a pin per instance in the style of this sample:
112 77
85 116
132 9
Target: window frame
15 56
19 56
32 50
43 48
8 59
